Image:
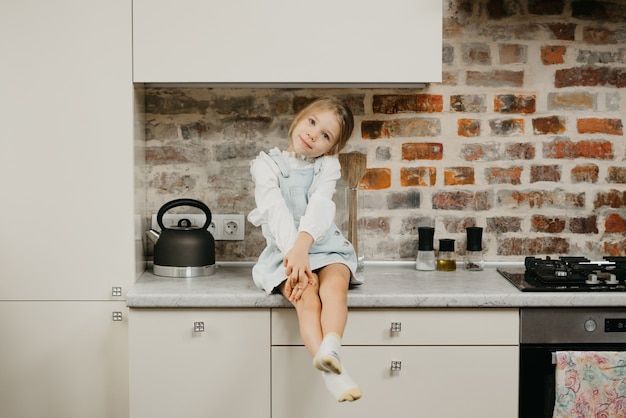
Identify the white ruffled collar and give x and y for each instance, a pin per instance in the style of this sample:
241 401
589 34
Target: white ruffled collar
293 154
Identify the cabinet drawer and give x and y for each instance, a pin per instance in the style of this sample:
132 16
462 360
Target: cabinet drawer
430 381
413 327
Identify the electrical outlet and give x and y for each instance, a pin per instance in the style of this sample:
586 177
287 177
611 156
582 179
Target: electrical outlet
229 227
223 227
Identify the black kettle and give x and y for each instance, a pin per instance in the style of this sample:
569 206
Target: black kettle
183 251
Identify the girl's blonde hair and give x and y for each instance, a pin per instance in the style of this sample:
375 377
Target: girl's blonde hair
341 111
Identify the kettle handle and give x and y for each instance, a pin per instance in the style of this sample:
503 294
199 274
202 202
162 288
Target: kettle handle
184 202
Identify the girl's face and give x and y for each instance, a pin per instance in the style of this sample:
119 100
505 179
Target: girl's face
316 134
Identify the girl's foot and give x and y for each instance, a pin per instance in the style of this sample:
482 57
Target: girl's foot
341 386
327 358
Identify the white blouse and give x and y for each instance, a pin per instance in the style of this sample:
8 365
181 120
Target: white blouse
272 209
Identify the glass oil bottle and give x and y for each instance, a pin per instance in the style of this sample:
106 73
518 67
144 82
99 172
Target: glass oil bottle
446 259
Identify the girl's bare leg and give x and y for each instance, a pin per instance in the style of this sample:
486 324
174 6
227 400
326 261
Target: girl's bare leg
322 316
333 293
323 307
308 309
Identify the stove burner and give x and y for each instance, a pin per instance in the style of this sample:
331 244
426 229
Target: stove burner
569 274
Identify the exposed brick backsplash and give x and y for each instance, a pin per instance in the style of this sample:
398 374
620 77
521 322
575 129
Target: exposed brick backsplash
524 137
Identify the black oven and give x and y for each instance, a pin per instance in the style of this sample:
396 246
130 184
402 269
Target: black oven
544 331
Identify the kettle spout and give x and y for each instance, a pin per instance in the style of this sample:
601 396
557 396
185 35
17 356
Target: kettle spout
153 235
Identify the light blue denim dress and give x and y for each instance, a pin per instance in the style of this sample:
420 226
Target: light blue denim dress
268 273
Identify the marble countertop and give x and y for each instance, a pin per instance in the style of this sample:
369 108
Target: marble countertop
387 285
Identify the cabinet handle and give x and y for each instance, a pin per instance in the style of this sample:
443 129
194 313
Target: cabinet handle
396 326
198 327
116 291
396 365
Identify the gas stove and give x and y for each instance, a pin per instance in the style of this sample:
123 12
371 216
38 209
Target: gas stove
569 274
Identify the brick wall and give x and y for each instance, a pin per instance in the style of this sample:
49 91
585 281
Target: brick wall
523 137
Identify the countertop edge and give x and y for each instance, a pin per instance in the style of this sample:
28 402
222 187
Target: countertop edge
387 285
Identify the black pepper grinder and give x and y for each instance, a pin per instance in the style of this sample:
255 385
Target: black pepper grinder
425 249
474 253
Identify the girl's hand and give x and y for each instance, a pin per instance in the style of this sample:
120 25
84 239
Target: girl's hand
298 273
298 267
299 290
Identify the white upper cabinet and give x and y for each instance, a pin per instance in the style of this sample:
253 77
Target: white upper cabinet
67 155
287 41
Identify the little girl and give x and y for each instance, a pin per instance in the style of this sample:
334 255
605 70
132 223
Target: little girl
307 259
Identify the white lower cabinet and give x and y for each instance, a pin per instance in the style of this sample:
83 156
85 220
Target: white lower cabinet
250 363
448 363
199 363
63 359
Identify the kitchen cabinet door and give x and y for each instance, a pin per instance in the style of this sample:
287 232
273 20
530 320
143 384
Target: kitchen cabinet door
67 152
432 381
63 359
199 363
275 41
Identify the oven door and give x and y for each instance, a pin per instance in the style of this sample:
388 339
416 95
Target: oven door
537 375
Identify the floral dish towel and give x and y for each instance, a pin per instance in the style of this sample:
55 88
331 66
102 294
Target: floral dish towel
590 384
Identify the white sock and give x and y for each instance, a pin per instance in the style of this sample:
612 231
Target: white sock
341 386
327 358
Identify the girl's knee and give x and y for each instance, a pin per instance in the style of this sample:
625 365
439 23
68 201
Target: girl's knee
335 279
